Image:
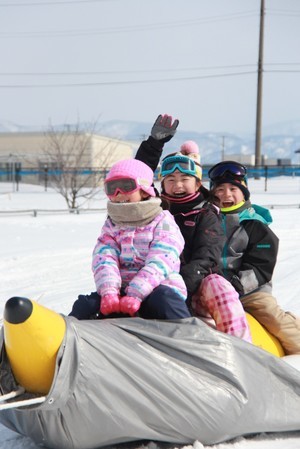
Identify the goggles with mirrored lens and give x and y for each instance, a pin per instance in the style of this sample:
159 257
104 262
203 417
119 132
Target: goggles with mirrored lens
121 185
227 169
181 163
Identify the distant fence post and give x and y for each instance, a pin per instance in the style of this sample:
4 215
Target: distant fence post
46 176
266 178
17 176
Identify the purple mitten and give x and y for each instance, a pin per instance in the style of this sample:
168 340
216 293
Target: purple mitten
130 305
110 303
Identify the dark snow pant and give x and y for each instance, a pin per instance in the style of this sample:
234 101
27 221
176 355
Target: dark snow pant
162 304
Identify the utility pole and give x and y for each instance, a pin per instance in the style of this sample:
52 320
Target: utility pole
259 87
223 149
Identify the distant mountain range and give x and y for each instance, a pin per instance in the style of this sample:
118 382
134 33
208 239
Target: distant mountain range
279 141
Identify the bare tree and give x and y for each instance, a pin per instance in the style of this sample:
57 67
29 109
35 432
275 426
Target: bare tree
69 165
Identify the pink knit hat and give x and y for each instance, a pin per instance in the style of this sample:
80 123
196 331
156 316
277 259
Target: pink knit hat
134 169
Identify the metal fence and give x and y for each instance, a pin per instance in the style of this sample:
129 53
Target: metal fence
43 176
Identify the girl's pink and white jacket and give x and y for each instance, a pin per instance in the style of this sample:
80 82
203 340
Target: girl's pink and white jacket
137 259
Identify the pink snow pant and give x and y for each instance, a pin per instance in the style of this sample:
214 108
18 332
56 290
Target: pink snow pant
218 299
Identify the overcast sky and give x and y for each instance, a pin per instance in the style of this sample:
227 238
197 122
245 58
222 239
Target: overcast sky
64 60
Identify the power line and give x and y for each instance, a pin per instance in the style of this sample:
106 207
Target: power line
138 81
111 83
281 71
121 72
282 12
281 63
63 2
127 28
160 70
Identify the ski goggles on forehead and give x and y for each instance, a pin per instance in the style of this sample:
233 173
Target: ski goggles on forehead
181 163
227 168
121 185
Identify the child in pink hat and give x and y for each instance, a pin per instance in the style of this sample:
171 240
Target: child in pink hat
136 258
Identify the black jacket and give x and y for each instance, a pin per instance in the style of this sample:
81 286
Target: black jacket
150 152
250 254
199 223
204 240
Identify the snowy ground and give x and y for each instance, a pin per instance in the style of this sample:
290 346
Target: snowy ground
48 258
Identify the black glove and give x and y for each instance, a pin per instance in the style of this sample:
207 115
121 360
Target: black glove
163 128
236 283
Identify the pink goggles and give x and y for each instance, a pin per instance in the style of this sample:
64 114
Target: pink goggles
121 185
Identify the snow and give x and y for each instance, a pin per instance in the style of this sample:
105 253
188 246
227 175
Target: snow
46 256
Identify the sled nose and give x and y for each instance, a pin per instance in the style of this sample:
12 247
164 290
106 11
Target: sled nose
32 337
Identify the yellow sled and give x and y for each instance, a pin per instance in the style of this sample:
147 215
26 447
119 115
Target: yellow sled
262 338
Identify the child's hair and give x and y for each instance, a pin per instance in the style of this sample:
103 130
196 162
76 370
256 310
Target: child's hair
133 169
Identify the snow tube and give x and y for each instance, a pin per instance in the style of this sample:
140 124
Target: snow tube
129 379
27 324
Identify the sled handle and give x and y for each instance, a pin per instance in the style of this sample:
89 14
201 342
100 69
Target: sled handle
20 390
23 403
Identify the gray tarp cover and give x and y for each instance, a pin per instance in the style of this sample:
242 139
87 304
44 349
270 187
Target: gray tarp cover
130 379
